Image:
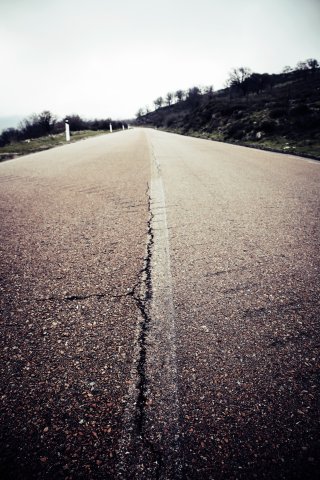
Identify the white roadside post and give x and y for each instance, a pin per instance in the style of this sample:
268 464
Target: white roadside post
122 127
110 125
67 130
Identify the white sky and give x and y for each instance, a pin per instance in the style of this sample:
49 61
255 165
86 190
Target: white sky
102 58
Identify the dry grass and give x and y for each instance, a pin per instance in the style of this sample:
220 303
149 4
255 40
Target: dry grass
25 147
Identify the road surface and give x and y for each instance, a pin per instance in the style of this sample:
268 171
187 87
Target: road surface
159 311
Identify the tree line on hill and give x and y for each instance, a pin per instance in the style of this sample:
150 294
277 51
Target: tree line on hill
46 123
190 96
241 81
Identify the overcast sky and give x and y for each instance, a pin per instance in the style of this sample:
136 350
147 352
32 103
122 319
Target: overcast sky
102 58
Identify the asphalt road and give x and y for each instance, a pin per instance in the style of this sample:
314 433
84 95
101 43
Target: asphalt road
159 312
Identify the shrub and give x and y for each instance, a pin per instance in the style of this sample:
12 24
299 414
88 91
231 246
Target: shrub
238 135
230 109
278 112
268 126
235 130
8 136
169 121
300 109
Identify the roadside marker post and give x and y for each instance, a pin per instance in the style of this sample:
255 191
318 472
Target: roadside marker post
67 130
122 127
110 125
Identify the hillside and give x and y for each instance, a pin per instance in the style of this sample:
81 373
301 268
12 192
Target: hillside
279 112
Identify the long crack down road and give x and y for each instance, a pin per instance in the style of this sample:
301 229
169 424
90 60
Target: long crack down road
159 312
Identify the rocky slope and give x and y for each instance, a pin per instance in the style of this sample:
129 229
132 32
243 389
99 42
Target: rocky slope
280 112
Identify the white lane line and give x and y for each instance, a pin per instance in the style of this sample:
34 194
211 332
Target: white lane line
163 417
155 451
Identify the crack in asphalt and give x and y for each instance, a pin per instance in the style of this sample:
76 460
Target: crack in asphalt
71 298
142 294
143 304
143 299
150 443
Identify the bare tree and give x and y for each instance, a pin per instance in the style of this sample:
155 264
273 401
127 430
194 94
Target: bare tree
140 113
193 96
312 63
169 98
47 120
302 66
237 78
208 90
287 69
158 102
238 75
180 95
38 125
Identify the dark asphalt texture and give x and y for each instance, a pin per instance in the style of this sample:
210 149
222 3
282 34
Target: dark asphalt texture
244 245
159 312
73 230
